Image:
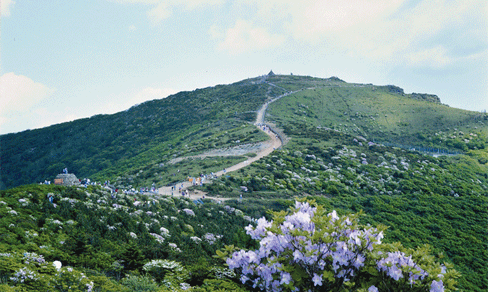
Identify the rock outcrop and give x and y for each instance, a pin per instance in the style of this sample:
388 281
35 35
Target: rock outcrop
426 97
66 179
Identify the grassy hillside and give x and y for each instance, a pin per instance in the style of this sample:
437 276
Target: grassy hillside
105 146
381 113
143 137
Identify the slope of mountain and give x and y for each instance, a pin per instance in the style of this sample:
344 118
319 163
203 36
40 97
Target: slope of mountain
151 134
106 145
350 146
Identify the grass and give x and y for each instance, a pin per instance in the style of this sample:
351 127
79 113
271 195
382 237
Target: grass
373 113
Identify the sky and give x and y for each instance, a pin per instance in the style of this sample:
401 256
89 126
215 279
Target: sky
64 60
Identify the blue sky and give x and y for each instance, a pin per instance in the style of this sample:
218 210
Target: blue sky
63 60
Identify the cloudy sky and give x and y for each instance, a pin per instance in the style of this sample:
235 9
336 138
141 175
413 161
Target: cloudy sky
62 60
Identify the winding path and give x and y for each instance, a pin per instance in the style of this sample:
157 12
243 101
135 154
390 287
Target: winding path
266 149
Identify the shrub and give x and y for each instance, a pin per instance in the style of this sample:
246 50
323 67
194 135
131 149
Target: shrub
311 250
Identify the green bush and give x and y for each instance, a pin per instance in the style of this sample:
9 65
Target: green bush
140 283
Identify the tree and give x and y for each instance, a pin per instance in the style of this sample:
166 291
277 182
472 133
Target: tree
309 250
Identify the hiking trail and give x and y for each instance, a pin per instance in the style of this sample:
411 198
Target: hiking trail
261 149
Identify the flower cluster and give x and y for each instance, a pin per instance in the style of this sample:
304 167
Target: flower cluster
164 232
185 286
174 247
211 238
24 275
396 263
314 250
196 239
24 202
158 237
32 257
162 266
222 273
189 212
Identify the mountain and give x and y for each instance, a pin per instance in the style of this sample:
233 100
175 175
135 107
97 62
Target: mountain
106 145
151 134
407 160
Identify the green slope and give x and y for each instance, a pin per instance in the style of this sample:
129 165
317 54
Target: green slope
111 146
440 201
109 237
381 113
131 139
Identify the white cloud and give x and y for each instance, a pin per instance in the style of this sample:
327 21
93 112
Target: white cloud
19 93
391 32
433 57
5 6
162 9
310 20
245 37
158 13
132 28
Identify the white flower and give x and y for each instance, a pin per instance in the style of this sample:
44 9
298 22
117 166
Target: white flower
158 237
58 265
189 212
195 239
164 232
185 286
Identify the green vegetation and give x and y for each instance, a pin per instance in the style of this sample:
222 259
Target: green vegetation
378 113
349 149
107 146
424 200
117 242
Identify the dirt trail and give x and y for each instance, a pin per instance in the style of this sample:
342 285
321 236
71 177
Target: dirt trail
264 150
